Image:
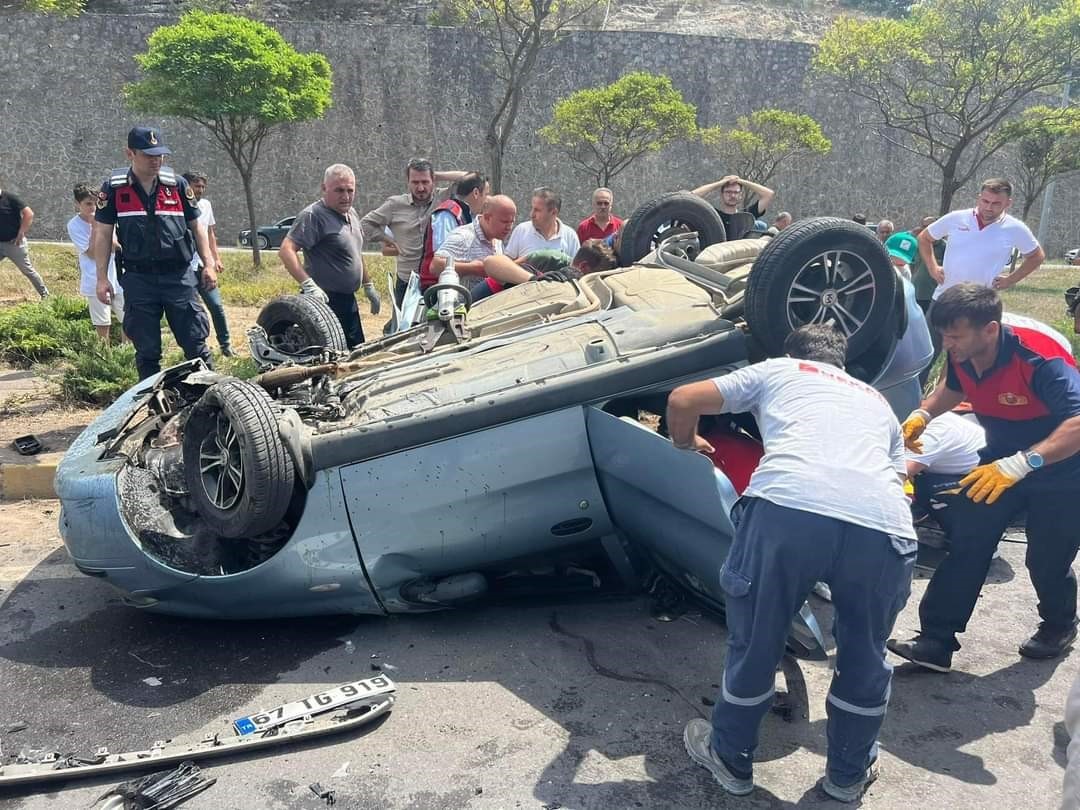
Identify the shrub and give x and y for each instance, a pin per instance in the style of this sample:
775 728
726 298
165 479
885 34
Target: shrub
98 373
42 332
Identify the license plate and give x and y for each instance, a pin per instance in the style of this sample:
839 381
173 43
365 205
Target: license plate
321 702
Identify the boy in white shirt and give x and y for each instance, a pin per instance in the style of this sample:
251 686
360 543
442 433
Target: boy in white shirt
78 228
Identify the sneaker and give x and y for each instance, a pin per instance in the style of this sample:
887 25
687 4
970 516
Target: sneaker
226 351
851 793
697 737
926 652
1048 642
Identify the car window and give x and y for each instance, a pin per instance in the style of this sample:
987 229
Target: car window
287 222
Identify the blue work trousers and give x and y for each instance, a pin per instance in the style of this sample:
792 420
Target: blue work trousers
777 556
974 530
147 296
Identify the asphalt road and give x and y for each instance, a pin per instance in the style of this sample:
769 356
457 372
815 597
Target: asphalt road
574 704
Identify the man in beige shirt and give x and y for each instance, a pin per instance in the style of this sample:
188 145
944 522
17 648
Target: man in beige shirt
406 216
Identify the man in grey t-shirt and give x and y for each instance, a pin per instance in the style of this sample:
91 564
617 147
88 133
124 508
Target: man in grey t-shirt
328 232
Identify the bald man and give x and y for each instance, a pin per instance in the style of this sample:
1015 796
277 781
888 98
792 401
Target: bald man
470 244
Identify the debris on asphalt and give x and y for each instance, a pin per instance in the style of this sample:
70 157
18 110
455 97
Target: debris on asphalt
144 661
350 648
160 791
363 703
341 772
376 667
323 793
18 725
152 681
27 445
783 707
707 701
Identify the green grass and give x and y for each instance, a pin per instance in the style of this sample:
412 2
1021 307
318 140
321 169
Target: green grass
242 284
1042 296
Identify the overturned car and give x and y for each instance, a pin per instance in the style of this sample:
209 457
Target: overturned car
478 453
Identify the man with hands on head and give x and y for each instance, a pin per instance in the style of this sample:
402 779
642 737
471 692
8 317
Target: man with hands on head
1024 388
731 198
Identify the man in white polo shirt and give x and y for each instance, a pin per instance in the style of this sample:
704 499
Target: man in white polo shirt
544 230
979 243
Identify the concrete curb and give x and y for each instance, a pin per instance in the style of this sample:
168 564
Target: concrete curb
30 479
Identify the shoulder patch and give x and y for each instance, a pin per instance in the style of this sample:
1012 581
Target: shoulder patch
189 194
102 199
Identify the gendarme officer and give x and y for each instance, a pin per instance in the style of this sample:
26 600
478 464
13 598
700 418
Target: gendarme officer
157 222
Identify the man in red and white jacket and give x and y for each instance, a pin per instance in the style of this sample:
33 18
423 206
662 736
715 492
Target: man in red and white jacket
1024 387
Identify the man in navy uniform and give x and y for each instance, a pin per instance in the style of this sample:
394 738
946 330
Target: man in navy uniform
1024 387
156 218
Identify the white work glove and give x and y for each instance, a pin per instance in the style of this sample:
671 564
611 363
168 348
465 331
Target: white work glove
373 297
309 287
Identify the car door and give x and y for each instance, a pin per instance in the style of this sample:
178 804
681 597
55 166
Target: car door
674 506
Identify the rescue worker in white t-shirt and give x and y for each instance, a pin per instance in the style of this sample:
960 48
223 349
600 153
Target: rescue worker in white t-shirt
979 244
814 510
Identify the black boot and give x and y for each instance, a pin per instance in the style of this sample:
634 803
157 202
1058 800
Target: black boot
1048 642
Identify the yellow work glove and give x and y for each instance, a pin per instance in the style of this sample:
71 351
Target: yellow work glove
913 428
987 481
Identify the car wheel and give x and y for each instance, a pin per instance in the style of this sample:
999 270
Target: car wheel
664 216
238 472
818 270
294 323
264 242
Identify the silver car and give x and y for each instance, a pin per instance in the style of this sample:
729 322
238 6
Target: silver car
480 453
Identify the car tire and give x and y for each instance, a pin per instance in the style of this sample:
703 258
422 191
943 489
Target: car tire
820 269
238 471
297 322
264 242
653 221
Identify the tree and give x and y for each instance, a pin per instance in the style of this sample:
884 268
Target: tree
1047 146
760 142
513 33
605 129
61 8
939 81
237 77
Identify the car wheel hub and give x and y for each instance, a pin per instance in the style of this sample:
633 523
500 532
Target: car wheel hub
291 339
836 287
221 464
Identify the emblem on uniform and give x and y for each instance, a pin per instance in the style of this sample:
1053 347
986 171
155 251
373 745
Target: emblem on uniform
152 137
102 199
189 194
168 192
1009 398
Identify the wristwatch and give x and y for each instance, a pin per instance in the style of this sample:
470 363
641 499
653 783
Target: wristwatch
1034 460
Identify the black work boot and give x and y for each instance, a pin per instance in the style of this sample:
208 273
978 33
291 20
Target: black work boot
1048 642
926 652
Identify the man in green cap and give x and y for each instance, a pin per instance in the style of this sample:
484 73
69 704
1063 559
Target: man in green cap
903 247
